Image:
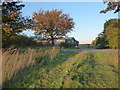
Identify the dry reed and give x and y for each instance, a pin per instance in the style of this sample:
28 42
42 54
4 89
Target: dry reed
13 60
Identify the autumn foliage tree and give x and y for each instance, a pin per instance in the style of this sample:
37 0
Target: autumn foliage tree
52 24
12 21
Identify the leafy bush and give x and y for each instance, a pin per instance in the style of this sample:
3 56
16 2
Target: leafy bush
68 45
20 41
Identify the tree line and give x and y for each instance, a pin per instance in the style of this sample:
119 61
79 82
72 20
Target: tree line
48 25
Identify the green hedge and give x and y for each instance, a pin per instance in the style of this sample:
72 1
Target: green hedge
68 45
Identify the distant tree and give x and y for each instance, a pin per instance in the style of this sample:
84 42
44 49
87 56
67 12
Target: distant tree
94 41
111 5
52 24
101 41
12 20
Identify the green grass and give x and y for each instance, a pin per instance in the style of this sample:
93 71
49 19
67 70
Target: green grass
70 70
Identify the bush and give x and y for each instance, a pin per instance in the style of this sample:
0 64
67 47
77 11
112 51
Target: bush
20 41
68 45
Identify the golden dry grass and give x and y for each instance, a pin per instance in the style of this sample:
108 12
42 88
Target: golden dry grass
13 60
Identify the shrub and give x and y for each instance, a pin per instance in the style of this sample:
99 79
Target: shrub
20 41
67 45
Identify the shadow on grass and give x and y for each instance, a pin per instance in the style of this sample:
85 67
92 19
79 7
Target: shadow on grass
82 72
87 67
32 73
89 73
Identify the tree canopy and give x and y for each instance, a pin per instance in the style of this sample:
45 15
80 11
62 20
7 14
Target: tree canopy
110 36
111 32
52 24
111 5
12 20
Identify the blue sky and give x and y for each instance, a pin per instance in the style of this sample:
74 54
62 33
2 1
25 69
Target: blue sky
88 21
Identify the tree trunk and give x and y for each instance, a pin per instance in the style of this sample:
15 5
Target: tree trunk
52 40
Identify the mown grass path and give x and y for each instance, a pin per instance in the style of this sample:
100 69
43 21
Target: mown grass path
71 70
89 49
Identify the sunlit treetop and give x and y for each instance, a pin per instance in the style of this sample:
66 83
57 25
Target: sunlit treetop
111 5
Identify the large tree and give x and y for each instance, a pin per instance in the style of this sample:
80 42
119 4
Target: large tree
12 20
112 27
111 5
112 32
52 24
110 36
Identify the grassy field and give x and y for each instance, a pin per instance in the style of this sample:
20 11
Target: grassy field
69 70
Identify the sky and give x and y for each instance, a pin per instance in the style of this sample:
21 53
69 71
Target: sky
88 21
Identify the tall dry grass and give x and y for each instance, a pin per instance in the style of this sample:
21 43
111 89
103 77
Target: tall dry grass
13 60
